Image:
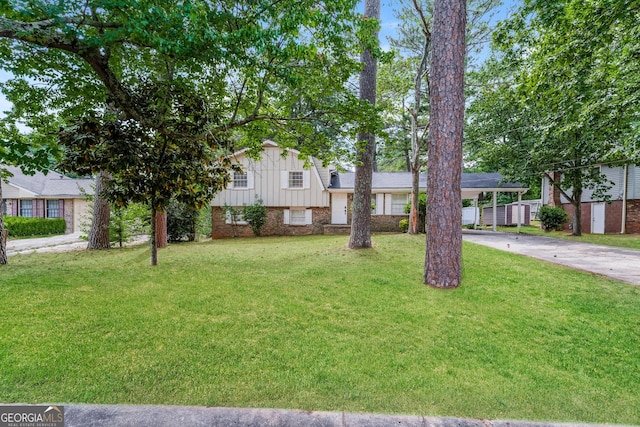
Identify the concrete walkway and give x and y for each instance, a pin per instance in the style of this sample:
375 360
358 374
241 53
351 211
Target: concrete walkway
617 263
61 243
179 416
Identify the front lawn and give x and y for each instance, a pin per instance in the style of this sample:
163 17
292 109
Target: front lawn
306 323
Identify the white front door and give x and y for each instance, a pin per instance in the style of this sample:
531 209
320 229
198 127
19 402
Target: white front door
338 208
597 218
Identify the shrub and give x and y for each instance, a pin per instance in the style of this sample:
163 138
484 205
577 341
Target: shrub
404 225
182 221
18 226
552 218
255 215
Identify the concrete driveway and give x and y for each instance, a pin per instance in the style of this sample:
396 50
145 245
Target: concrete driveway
617 263
61 243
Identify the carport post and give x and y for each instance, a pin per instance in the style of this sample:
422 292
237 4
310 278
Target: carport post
495 210
519 210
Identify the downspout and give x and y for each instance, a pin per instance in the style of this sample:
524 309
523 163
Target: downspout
623 227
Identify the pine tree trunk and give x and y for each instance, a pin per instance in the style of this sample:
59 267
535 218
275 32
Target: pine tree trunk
366 146
443 260
415 195
99 233
3 234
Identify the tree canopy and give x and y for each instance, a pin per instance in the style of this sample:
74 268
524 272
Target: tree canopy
561 94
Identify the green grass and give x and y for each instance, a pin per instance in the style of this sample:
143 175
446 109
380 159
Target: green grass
306 323
629 241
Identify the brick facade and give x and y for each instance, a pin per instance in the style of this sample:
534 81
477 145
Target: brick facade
274 226
613 217
633 216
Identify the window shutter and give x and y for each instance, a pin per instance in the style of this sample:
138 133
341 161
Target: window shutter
14 207
308 216
249 179
387 204
284 179
379 204
306 179
287 221
61 207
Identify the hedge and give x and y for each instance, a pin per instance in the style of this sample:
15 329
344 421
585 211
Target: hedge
18 226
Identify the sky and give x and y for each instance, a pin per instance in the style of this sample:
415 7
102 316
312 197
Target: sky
389 24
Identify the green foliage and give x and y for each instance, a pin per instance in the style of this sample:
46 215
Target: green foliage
404 225
18 226
552 218
255 215
560 94
127 222
182 222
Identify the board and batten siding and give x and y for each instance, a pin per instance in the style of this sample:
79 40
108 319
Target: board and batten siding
613 174
266 178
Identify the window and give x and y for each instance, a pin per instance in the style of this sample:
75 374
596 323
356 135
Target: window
53 208
296 180
240 180
26 208
235 216
398 202
298 217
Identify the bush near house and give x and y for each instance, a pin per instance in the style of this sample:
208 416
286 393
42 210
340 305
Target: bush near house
552 218
18 226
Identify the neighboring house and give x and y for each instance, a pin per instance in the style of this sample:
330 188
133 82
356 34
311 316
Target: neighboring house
309 198
620 215
46 196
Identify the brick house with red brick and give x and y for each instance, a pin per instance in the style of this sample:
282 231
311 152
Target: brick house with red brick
308 198
621 214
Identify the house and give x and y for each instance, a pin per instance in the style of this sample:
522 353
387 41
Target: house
310 198
46 196
621 214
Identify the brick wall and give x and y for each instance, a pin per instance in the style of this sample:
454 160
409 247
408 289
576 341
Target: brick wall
66 208
613 217
633 216
386 223
274 226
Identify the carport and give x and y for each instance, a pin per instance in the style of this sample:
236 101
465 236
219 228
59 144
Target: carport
473 185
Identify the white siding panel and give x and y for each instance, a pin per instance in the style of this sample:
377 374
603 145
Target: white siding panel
634 182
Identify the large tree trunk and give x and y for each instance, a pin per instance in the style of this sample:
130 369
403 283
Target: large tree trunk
366 147
443 260
576 224
99 233
3 234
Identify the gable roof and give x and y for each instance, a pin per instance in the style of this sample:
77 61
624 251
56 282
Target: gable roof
52 184
402 181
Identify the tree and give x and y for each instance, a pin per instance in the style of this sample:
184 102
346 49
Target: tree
251 63
443 260
560 96
366 145
29 155
414 41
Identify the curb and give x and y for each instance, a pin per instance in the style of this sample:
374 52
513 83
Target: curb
176 416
